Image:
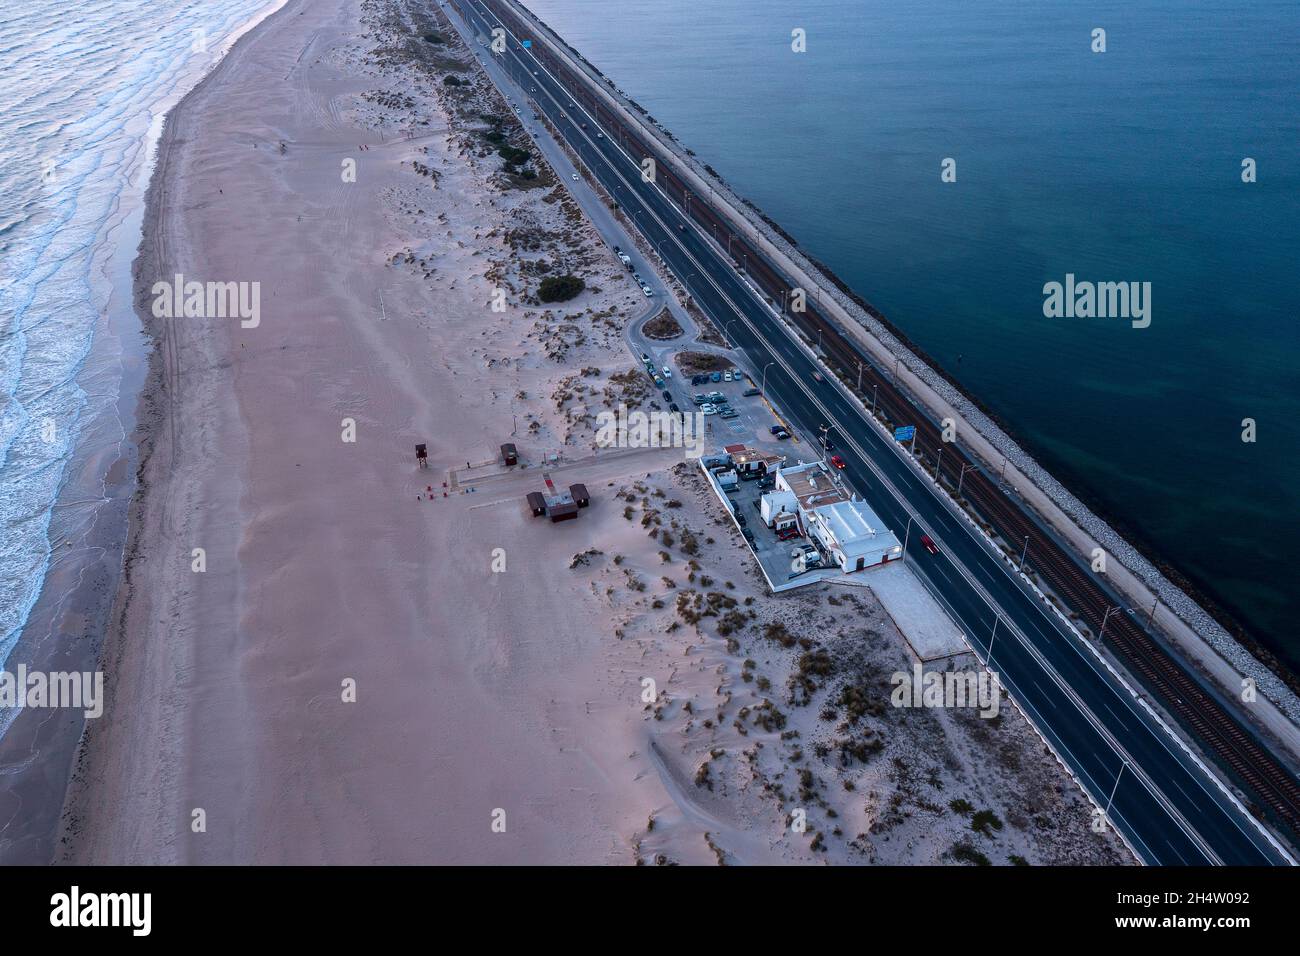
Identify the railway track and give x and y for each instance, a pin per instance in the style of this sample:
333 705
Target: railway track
1276 791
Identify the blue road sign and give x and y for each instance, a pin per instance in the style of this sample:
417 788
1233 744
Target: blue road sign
906 433
528 44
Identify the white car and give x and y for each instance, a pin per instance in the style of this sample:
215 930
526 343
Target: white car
726 376
646 290
575 177
668 373
709 409
600 136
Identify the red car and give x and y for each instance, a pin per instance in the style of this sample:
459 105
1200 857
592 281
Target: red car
928 544
837 461
787 533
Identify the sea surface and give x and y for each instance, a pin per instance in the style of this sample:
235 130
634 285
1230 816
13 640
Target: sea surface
1122 166
83 89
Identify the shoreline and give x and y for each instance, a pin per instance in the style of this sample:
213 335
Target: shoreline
90 526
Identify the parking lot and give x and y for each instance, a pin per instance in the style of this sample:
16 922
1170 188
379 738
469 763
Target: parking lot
751 417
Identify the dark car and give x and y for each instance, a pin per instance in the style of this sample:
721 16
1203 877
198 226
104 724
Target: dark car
750 475
740 519
782 435
776 428
715 377
767 481
750 392
672 407
749 535
668 396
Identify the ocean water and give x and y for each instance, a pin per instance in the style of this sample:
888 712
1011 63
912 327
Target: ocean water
1117 166
83 88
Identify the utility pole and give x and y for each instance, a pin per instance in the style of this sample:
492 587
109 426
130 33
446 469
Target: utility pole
859 376
962 477
1023 554
1152 616
875 390
1106 617
938 460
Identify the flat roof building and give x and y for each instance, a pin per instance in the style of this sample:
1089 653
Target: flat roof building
845 527
853 534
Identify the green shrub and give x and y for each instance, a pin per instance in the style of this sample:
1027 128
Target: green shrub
560 288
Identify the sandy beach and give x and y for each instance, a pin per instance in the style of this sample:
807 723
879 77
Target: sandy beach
317 657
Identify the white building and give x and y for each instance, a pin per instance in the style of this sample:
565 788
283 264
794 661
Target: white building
852 534
845 527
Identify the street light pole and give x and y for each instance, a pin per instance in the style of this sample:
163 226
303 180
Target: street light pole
765 368
1106 812
859 376
907 534
1023 554
875 390
938 460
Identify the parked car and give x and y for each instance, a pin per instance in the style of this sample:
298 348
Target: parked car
758 505
646 290
715 376
837 461
726 376
708 409
928 544
659 383
787 534
776 428
749 535
668 373
701 399
740 519
645 357
699 379
717 398
767 481
729 413
668 396
782 434
750 392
